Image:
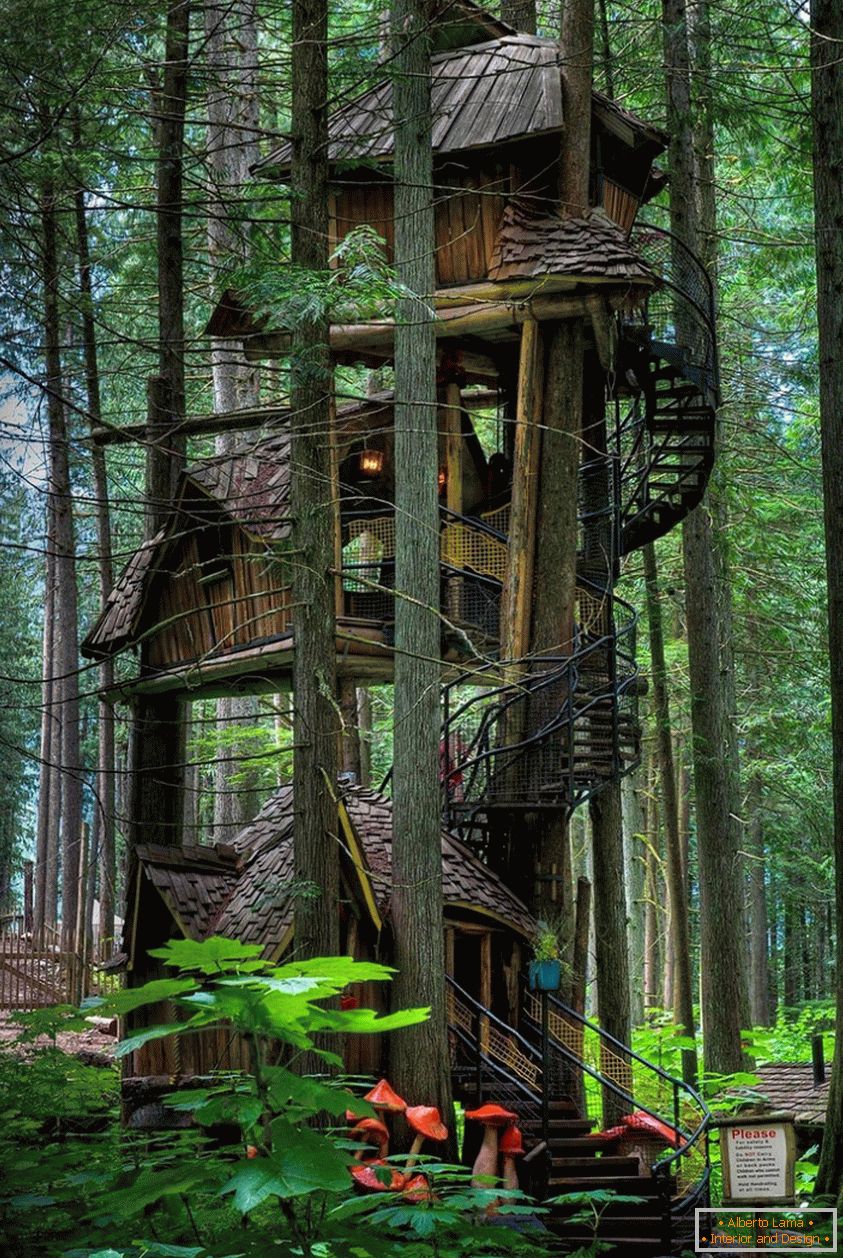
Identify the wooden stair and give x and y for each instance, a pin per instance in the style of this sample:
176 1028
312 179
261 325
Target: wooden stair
581 1163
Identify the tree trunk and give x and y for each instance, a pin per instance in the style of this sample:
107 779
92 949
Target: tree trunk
65 642
364 724
104 848
722 960
827 102
759 970
419 1061
232 64
350 742
681 993
610 926
634 863
315 727
49 781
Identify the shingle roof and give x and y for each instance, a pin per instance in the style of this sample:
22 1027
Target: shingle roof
252 485
789 1087
246 892
480 96
592 247
117 620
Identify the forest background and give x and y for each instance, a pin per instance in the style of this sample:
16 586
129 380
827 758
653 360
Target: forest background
79 151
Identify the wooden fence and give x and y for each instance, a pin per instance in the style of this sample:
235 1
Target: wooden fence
36 972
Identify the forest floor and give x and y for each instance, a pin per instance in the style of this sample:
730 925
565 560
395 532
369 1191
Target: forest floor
92 1046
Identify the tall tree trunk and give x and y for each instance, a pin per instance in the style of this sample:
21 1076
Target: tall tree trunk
65 642
315 727
827 102
681 980
49 779
634 862
759 969
104 846
722 941
610 927
419 1062
233 122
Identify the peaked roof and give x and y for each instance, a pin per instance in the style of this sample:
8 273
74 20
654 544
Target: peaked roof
243 891
481 96
529 247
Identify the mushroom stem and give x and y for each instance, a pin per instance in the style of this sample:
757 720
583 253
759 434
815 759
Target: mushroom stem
509 1173
486 1162
415 1150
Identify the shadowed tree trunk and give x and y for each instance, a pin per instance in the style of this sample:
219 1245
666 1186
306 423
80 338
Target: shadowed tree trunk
419 1061
681 989
827 102
315 725
722 940
634 862
103 831
231 63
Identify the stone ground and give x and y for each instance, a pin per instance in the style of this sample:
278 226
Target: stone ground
91 1046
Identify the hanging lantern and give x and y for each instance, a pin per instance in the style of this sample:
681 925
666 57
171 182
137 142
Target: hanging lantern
370 462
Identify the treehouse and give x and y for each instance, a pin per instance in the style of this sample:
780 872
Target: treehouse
243 891
531 727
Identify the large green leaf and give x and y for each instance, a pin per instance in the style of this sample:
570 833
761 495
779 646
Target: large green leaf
150 994
301 1162
311 1095
367 1021
209 956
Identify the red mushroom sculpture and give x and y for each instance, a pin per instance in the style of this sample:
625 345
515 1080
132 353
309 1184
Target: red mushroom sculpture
426 1122
371 1131
511 1146
493 1118
417 1188
385 1099
368 1177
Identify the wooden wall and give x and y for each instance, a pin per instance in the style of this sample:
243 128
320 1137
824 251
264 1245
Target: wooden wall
220 590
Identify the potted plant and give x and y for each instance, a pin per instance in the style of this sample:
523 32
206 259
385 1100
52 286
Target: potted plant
546 965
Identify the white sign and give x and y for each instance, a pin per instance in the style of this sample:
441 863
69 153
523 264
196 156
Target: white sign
757 1162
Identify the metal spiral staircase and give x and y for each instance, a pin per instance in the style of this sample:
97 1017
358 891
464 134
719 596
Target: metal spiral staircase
557 1072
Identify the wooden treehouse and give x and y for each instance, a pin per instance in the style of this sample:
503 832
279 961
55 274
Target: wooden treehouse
205 606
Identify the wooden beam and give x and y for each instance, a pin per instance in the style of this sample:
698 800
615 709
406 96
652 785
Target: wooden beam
517 597
477 318
196 425
450 418
485 986
605 330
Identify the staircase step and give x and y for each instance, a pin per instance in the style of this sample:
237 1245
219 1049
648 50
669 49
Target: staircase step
561 1128
591 1168
622 1225
583 1146
628 1185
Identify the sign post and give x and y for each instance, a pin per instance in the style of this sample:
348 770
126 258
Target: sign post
758 1156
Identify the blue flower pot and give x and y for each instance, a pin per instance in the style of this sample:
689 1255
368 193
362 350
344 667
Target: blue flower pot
545 976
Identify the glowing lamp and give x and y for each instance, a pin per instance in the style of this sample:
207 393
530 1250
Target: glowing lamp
371 462
442 479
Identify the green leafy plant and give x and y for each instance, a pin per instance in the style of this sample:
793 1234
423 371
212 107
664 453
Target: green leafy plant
546 943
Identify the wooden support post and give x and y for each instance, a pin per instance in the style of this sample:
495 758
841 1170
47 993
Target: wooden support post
28 896
485 986
517 598
449 951
604 328
156 808
450 426
336 511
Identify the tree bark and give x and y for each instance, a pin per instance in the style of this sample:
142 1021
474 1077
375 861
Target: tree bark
610 925
419 1061
104 847
634 863
827 104
65 641
681 980
722 959
315 725
49 781
231 65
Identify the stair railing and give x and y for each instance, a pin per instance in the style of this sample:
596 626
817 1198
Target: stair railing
622 1075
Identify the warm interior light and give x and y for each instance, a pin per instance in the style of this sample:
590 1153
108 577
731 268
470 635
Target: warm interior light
443 479
371 462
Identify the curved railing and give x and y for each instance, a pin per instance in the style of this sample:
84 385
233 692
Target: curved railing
631 1082
526 740
682 312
